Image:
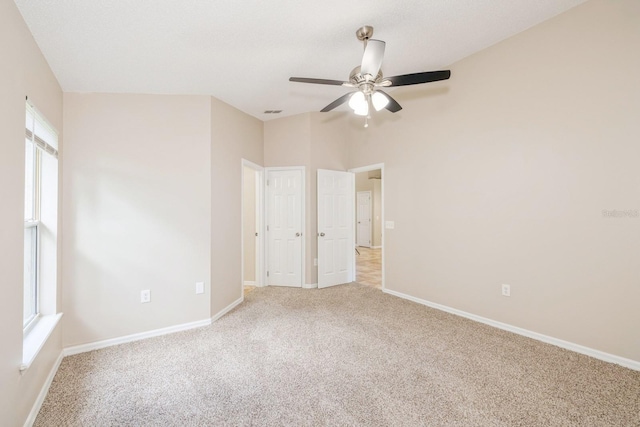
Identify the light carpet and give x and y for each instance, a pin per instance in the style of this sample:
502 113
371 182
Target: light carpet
348 355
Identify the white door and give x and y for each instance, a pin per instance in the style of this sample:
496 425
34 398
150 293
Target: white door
335 227
363 215
284 227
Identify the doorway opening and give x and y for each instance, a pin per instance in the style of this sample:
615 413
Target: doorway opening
252 226
369 259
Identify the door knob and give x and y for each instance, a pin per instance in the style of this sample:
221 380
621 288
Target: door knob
321 234
297 234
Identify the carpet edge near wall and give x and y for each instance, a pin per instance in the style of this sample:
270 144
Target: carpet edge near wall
567 345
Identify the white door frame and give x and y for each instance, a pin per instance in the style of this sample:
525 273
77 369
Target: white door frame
303 220
259 256
382 222
370 216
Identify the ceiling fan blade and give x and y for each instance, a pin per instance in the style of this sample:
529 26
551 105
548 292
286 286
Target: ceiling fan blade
337 102
372 58
316 81
393 105
418 78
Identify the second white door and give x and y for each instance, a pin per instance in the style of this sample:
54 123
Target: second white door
336 246
363 216
284 227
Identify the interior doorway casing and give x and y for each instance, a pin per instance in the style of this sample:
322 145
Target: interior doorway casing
377 166
259 215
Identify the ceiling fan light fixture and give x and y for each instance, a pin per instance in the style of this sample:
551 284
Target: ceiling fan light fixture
362 111
368 77
379 101
358 102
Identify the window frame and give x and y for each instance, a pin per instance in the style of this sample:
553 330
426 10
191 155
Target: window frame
31 223
28 323
41 214
32 220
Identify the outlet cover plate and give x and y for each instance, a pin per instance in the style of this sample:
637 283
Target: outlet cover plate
145 296
199 287
506 290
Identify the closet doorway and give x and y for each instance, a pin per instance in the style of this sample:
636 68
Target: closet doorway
252 226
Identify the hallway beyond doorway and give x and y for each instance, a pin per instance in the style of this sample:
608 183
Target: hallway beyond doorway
369 267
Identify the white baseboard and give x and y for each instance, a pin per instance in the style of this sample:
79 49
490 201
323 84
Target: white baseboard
249 283
310 286
35 409
83 348
376 247
597 354
227 309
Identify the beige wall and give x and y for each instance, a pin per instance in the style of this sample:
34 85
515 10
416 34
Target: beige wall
501 174
234 136
153 196
23 72
136 214
287 141
249 224
315 141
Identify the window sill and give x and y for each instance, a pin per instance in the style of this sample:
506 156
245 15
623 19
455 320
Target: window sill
35 338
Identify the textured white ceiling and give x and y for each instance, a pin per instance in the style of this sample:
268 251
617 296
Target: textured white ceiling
243 52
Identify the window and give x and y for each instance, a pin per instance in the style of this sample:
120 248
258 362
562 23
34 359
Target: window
41 183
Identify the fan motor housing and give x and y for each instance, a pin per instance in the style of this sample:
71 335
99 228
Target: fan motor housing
361 82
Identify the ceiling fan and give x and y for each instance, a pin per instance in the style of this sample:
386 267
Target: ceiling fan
368 80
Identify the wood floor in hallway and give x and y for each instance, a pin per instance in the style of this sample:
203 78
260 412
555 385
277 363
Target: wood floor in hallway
369 267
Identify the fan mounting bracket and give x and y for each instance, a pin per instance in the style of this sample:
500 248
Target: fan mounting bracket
364 33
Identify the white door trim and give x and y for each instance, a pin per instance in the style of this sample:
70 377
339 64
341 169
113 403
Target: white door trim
382 217
259 258
303 219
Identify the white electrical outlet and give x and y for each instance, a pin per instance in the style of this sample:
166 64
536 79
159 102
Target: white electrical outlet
199 287
315 262
506 290
389 225
145 296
